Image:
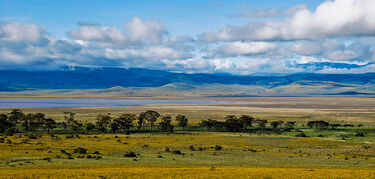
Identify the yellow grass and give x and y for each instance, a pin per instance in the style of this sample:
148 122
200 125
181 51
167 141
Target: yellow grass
187 172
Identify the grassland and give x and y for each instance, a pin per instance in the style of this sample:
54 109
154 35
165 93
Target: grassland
242 155
240 152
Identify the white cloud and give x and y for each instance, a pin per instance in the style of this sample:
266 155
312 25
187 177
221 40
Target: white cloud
16 32
136 31
140 30
148 53
307 48
247 48
331 18
98 33
266 13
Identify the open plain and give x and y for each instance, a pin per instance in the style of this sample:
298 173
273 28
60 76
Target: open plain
192 152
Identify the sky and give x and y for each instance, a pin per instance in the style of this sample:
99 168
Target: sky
238 37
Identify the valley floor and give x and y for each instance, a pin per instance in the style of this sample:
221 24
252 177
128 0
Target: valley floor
239 156
188 154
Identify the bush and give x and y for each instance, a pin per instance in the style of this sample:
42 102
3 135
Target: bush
69 136
32 136
301 135
320 135
9 131
64 152
130 154
178 152
252 150
218 147
191 147
359 134
96 152
80 150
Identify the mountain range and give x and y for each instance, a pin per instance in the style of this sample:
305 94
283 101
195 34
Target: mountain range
133 81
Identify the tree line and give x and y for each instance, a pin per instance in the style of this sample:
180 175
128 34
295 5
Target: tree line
17 121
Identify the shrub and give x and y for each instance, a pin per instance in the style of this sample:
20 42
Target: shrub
178 152
201 148
130 154
32 136
9 131
96 152
64 152
69 136
301 135
191 147
252 150
359 134
343 136
47 159
80 150
218 147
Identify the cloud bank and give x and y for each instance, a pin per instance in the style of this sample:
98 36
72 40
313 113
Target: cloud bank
337 37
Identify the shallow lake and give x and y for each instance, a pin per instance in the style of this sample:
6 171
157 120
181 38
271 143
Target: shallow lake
20 103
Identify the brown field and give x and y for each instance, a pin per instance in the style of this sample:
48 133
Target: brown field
300 109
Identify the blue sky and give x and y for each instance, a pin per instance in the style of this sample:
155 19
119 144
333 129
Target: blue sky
238 37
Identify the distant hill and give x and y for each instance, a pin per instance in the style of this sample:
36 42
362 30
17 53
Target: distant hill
136 80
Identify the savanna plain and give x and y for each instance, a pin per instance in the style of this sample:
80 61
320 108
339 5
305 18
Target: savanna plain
344 148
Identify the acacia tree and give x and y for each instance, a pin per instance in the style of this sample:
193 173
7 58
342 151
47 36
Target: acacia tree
48 124
69 117
182 121
141 121
165 124
64 124
15 116
290 124
114 126
208 124
151 117
103 122
32 121
233 124
4 123
76 126
261 123
247 121
88 126
333 126
318 124
276 124
125 122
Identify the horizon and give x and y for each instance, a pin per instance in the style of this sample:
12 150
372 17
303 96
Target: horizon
73 68
220 37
